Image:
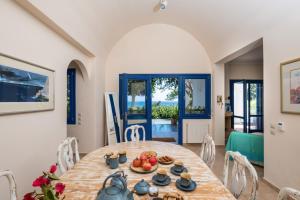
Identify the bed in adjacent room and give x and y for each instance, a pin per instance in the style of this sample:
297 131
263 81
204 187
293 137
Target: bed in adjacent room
250 145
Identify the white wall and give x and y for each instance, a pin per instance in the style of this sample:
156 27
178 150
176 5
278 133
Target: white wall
155 48
242 70
28 142
281 43
282 160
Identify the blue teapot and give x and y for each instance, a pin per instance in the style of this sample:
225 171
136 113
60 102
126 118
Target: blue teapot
117 190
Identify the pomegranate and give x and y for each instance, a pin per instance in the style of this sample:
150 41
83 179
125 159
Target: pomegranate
147 166
153 160
143 157
137 163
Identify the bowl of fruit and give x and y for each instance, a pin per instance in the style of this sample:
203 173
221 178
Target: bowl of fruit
145 163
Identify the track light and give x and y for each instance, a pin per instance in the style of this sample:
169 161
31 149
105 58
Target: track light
163 4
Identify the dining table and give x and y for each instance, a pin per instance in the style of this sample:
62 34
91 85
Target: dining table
85 179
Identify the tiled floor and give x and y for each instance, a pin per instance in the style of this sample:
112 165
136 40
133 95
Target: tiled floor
265 192
164 129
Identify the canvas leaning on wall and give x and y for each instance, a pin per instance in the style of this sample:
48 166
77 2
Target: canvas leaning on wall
290 87
24 87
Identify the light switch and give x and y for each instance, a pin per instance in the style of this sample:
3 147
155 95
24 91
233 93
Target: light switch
280 126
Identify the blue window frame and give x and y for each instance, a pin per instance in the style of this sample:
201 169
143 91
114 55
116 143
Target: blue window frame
71 96
196 96
248 113
199 81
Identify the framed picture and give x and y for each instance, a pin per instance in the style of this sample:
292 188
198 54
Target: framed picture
290 86
25 87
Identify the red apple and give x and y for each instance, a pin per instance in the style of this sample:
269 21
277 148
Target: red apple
147 166
137 162
153 160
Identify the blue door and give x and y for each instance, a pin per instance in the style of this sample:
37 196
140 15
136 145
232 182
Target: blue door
136 102
247 105
194 99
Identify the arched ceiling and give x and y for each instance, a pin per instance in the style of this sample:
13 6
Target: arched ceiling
212 22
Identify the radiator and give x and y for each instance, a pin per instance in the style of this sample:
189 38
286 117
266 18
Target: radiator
195 129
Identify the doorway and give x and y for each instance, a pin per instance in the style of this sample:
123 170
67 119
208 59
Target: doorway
139 102
165 112
247 105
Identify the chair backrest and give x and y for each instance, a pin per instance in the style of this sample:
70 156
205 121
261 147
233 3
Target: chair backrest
239 180
65 154
134 133
208 150
73 142
288 192
12 183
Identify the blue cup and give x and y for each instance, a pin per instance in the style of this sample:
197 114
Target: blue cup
114 162
122 157
107 157
185 180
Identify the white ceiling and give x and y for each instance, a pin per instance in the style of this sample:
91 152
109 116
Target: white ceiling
212 22
255 55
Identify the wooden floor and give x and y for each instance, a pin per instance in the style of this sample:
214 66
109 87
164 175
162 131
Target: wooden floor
265 192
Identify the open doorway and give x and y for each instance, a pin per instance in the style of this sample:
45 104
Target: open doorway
165 110
75 93
244 93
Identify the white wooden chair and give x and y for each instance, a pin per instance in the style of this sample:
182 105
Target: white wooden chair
12 183
208 151
288 192
65 154
134 133
73 142
239 180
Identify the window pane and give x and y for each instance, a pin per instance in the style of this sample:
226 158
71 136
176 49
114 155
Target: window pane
136 97
256 123
71 87
238 124
238 99
195 96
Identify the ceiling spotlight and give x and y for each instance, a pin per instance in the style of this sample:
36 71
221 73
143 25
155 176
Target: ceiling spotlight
163 4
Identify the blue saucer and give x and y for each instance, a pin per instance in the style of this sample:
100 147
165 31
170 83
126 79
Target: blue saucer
161 183
190 188
177 173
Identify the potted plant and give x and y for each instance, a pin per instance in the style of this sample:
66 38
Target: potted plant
48 190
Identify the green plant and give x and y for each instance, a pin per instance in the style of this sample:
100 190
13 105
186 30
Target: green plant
164 112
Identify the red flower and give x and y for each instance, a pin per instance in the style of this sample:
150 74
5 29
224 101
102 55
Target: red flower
28 196
59 188
40 181
53 169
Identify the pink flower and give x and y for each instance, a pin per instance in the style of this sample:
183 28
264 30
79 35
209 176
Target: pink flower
40 181
28 196
53 169
59 188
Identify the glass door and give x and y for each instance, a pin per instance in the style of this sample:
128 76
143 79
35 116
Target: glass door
136 102
237 101
247 105
255 106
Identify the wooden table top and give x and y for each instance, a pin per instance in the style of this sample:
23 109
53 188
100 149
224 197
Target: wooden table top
86 178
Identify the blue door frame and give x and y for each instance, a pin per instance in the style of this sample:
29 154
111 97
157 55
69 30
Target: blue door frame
246 106
123 81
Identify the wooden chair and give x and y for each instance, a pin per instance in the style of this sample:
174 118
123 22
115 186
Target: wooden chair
239 180
208 151
134 133
73 142
288 192
12 183
65 154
